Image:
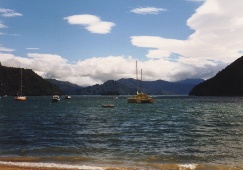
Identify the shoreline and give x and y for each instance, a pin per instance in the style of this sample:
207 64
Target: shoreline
12 167
8 165
30 166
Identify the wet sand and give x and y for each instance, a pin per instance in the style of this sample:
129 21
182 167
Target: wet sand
6 167
11 167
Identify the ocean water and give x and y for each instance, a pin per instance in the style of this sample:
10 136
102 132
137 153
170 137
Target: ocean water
176 132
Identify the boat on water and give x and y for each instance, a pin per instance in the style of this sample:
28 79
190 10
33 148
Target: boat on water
108 105
20 96
140 97
68 97
55 98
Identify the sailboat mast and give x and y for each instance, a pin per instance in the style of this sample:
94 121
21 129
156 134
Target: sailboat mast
137 74
21 82
141 74
141 88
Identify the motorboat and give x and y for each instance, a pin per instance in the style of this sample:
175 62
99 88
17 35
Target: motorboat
55 98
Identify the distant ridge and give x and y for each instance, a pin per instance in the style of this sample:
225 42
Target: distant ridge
66 87
33 84
228 82
129 86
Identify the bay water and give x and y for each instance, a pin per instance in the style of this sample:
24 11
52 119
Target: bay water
175 132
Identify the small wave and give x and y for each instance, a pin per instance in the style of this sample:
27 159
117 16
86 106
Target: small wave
120 167
50 165
188 166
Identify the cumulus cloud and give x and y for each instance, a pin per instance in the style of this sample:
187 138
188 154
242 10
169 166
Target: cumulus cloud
9 13
97 70
91 23
147 10
217 35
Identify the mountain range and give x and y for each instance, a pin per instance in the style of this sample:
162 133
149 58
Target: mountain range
228 82
129 86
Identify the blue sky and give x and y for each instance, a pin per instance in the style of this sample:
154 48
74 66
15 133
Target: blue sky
92 41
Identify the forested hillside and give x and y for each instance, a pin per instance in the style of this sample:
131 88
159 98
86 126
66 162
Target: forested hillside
33 84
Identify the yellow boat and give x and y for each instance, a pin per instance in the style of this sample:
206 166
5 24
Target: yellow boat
140 97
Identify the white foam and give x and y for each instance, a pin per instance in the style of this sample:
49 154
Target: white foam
188 166
51 165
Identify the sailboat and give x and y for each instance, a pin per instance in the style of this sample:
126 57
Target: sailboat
140 97
68 96
20 97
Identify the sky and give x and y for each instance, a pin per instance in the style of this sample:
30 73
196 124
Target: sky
88 42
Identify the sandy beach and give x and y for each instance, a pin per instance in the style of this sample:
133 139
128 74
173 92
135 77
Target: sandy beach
9 167
6 167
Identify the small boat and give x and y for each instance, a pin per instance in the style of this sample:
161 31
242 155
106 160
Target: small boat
68 97
55 98
20 97
116 97
108 105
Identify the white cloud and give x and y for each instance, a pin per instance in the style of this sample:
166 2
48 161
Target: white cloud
47 58
9 13
7 34
5 49
97 70
31 48
218 25
91 23
147 10
2 25
196 0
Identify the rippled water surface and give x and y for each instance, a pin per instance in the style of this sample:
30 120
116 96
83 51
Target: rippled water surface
174 130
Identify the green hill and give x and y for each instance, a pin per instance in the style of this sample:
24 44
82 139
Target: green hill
228 82
33 84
